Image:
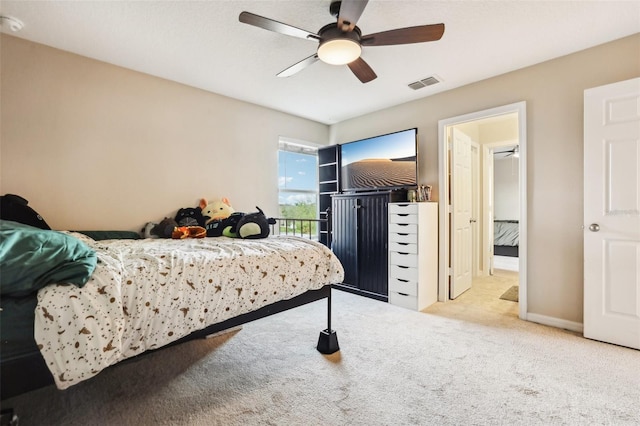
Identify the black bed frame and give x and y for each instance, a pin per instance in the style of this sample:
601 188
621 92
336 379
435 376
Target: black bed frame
510 251
29 372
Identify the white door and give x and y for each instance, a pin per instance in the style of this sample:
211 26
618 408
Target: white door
487 182
476 216
612 213
461 249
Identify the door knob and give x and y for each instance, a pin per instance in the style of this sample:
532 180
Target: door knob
594 227
472 221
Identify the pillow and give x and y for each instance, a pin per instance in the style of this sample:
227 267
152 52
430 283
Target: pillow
14 207
32 258
111 235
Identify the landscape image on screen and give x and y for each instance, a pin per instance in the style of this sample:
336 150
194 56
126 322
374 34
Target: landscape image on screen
387 161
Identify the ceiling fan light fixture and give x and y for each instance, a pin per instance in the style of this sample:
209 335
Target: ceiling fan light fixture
339 51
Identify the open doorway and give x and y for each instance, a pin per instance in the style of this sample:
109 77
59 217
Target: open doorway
504 174
457 223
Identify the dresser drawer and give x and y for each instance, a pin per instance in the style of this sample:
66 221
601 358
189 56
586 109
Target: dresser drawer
402 259
404 301
403 272
395 246
395 237
403 218
403 228
399 285
411 208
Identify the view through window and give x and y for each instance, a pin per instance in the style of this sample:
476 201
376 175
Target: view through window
298 184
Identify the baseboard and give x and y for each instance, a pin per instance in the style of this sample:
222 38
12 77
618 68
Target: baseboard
506 263
577 327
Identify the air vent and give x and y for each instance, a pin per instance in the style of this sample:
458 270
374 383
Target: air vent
429 81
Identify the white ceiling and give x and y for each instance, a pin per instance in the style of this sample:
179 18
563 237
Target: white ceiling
202 44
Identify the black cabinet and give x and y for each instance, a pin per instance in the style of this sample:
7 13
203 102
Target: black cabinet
328 185
360 240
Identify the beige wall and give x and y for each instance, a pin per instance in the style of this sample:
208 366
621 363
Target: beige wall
553 92
95 146
506 190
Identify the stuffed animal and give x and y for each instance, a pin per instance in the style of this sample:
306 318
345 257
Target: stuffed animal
145 232
181 232
254 225
226 227
164 229
14 207
222 220
216 210
190 217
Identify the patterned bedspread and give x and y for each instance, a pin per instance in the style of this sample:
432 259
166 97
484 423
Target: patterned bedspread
147 293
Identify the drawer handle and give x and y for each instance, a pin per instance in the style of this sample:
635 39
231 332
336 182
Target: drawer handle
403 294
403 267
403 244
404 281
403 234
403 214
401 253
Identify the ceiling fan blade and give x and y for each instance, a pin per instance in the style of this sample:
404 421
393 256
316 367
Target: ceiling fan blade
407 35
278 27
350 12
362 70
299 66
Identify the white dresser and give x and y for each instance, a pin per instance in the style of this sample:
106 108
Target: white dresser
413 254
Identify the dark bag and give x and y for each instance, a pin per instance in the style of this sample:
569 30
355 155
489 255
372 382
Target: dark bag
15 208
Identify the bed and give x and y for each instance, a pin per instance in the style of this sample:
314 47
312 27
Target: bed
103 301
506 237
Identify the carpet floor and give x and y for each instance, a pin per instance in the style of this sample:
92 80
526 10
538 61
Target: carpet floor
456 363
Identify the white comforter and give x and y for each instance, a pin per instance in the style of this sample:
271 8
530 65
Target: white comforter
147 293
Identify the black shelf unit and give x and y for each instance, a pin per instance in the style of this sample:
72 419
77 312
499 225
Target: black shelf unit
328 185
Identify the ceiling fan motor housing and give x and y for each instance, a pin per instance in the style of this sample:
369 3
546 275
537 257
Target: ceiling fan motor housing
332 32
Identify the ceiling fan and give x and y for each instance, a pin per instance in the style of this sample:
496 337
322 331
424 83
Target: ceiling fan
513 152
341 42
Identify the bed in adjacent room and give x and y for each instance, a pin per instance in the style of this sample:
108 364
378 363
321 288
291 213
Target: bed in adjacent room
506 238
73 305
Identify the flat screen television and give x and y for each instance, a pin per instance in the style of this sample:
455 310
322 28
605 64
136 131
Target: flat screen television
382 162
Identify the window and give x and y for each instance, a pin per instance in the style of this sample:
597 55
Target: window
298 180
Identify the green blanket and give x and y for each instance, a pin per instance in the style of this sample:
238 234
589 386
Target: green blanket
32 258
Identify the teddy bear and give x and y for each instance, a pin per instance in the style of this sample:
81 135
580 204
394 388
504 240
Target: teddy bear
181 232
190 216
215 210
164 229
224 227
222 220
254 225
219 217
